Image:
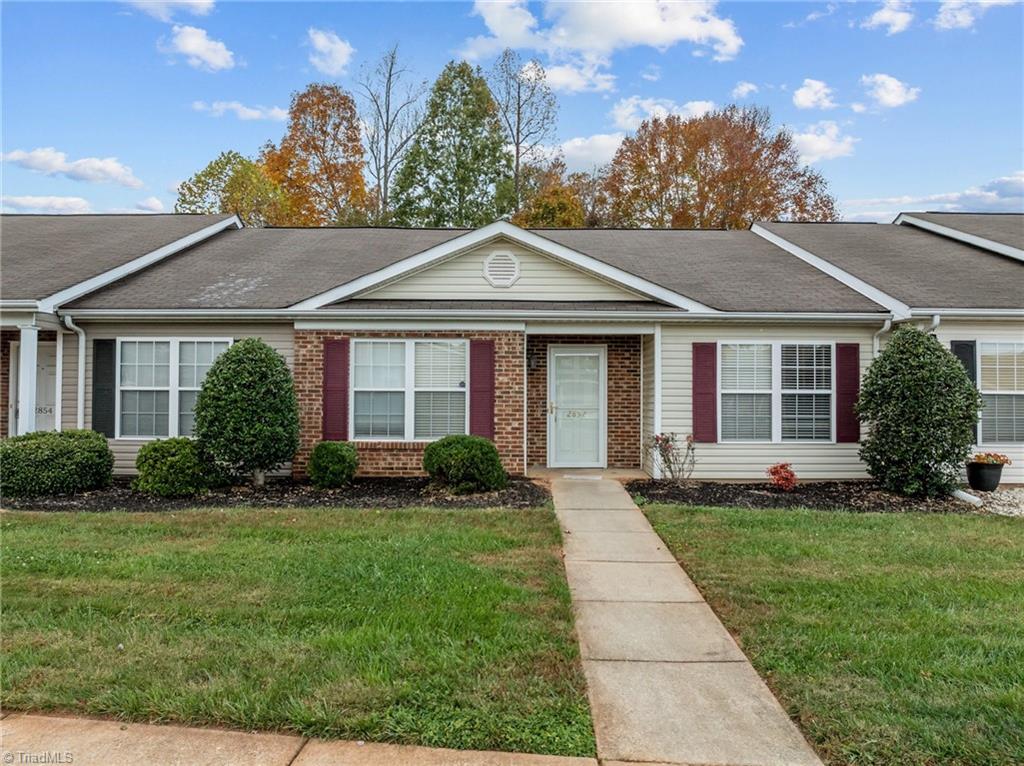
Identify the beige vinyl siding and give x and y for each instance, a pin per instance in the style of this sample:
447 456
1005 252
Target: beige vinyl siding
980 332
69 383
540 278
647 400
749 461
279 336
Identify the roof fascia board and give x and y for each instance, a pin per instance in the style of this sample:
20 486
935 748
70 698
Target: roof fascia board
51 303
976 313
971 239
482 236
583 316
898 308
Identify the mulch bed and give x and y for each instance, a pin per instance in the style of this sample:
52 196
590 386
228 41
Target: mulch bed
856 496
362 493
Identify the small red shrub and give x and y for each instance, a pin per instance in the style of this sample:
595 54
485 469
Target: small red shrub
782 476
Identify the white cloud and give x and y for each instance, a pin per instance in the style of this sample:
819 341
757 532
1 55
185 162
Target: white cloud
150 205
30 204
50 162
813 16
744 89
165 9
823 141
628 113
887 91
894 15
961 14
241 111
858 107
199 49
652 73
1000 195
580 38
585 76
588 152
813 94
330 53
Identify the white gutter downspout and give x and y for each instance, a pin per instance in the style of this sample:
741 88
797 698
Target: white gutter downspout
934 325
80 405
876 339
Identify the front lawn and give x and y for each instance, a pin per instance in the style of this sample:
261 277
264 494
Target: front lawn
890 638
434 627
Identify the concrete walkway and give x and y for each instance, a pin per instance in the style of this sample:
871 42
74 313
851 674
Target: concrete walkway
33 738
667 683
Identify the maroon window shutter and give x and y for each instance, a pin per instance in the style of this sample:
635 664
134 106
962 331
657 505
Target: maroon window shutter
705 392
847 390
335 402
481 388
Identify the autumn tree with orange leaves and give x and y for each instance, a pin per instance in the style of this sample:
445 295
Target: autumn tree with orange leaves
319 162
723 170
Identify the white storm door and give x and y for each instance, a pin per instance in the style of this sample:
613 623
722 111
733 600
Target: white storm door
577 403
46 387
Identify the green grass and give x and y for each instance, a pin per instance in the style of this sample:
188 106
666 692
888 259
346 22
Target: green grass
891 639
442 628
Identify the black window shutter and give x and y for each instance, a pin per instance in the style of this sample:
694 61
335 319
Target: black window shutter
103 387
964 350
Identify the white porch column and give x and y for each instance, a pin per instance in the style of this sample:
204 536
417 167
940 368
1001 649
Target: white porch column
28 350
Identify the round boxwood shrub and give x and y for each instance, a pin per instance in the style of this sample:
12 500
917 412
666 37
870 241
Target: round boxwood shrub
465 464
171 468
55 463
332 464
921 409
247 420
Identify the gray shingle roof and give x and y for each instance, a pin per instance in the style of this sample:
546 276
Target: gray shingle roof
275 268
1004 228
43 254
914 266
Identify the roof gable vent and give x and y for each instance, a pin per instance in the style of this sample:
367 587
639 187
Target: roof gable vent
501 269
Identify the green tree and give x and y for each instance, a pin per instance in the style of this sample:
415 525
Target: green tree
204 192
247 418
920 408
458 171
235 184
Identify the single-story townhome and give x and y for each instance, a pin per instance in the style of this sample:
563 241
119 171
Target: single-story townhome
567 347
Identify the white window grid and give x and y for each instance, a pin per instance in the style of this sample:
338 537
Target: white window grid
814 390
777 390
1018 383
172 388
409 389
746 390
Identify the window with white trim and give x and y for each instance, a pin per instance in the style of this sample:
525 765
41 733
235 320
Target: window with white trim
746 411
158 380
776 392
409 390
1001 382
806 392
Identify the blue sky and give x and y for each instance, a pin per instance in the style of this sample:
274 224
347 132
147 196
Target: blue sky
107 106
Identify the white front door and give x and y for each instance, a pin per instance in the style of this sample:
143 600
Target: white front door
577 399
46 388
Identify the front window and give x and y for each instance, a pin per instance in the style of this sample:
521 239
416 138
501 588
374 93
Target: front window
776 392
1001 381
158 380
409 390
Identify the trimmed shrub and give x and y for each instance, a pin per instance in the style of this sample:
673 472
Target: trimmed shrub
465 464
247 419
921 409
171 468
332 464
55 463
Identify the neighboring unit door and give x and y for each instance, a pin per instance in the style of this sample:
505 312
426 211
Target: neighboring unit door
576 406
46 388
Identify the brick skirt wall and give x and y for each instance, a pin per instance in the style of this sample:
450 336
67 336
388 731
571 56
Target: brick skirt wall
623 396
403 458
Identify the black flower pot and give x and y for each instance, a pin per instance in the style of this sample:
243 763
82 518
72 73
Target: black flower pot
984 477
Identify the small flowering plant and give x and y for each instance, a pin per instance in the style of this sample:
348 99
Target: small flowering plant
676 459
991 458
782 476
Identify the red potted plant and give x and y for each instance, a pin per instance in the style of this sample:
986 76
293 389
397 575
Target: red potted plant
985 469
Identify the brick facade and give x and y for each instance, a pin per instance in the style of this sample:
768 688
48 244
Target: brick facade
398 458
623 396
6 338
